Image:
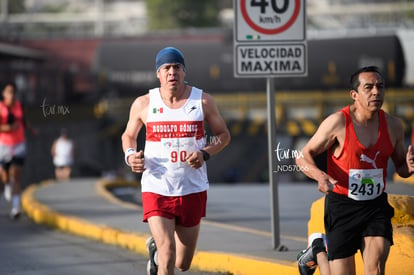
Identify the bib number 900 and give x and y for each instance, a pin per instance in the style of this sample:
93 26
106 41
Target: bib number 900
180 156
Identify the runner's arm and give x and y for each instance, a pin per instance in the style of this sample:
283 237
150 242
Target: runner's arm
324 139
217 125
129 137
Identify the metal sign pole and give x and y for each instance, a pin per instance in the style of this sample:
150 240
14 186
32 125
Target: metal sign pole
255 37
271 134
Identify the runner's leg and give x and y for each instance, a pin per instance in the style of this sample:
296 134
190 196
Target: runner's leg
162 230
15 177
345 266
375 254
323 263
186 243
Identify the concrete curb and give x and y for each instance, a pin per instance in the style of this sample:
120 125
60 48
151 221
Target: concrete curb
203 260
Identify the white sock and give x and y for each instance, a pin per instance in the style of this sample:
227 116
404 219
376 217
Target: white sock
16 202
7 191
156 258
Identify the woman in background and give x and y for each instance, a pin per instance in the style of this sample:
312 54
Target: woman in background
62 152
12 146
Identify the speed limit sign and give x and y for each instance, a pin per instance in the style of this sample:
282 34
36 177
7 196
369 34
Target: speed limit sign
269 20
270 38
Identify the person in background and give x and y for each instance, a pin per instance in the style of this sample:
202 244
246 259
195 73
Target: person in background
359 140
174 182
63 156
12 146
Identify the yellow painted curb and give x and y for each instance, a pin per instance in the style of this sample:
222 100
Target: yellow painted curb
103 186
409 180
240 265
206 261
42 214
401 257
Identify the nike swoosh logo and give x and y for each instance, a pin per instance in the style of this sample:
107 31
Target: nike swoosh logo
192 109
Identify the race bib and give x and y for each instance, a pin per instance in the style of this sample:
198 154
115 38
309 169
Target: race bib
365 184
176 150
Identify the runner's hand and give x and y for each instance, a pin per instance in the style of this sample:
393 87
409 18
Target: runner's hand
137 162
326 184
195 159
410 159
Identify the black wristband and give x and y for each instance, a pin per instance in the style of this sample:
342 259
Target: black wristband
206 155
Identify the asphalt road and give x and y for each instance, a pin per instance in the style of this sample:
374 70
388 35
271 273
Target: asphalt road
29 248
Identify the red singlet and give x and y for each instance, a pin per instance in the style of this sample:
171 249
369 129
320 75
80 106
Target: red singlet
360 171
17 136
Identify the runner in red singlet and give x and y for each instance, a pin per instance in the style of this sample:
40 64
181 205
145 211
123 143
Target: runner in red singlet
12 146
174 182
359 140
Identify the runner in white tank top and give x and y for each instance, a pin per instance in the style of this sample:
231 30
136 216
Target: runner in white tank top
172 134
174 181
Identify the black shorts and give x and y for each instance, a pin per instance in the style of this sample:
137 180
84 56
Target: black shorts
15 160
12 154
347 221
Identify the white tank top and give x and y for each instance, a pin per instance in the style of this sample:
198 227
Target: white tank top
172 134
63 154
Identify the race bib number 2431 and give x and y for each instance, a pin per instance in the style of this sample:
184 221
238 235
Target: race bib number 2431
365 184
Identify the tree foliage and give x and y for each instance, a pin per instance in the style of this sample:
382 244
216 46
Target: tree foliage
15 6
177 14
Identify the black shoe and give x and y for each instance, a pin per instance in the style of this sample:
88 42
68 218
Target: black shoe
307 262
152 268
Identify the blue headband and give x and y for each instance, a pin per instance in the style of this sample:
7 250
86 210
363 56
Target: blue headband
169 55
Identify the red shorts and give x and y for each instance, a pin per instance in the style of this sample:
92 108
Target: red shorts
186 210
